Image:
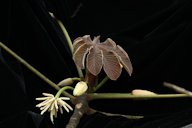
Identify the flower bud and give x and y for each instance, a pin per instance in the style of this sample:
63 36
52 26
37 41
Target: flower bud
80 88
52 15
67 81
139 92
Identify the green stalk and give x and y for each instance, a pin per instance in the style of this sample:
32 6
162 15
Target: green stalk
70 44
96 96
63 89
101 83
35 71
76 79
178 89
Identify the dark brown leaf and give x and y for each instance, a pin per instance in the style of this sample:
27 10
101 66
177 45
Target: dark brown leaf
111 65
80 41
124 59
79 55
108 45
77 43
107 55
94 61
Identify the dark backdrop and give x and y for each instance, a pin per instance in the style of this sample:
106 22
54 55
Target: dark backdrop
156 35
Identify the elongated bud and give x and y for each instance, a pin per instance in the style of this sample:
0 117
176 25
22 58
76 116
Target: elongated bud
80 88
52 15
140 92
67 81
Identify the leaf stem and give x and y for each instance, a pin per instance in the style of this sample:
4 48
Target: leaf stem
35 71
101 83
132 117
178 89
96 96
63 89
70 44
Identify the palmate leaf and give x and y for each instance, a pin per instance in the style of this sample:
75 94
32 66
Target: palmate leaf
124 59
108 44
94 61
108 55
77 43
79 55
111 65
80 41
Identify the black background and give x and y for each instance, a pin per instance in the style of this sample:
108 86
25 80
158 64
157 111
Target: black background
155 34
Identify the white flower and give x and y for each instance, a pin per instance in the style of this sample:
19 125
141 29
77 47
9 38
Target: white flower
52 104
80 88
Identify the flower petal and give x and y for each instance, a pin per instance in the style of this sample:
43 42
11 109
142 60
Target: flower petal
61 110
42 98
111 65
65 105
48 94
45 102
55 112
79 55
124 59
45 109
56 106
51 106
51 116
94 61
64 98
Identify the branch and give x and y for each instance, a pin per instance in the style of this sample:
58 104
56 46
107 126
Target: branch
133 117
70 44
96 96
178 89
81 108
35 71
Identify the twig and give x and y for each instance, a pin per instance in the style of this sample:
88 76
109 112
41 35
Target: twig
35 71
70 44
178 89
81 107
133 117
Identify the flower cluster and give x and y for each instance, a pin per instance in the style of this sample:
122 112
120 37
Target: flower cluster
53 105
